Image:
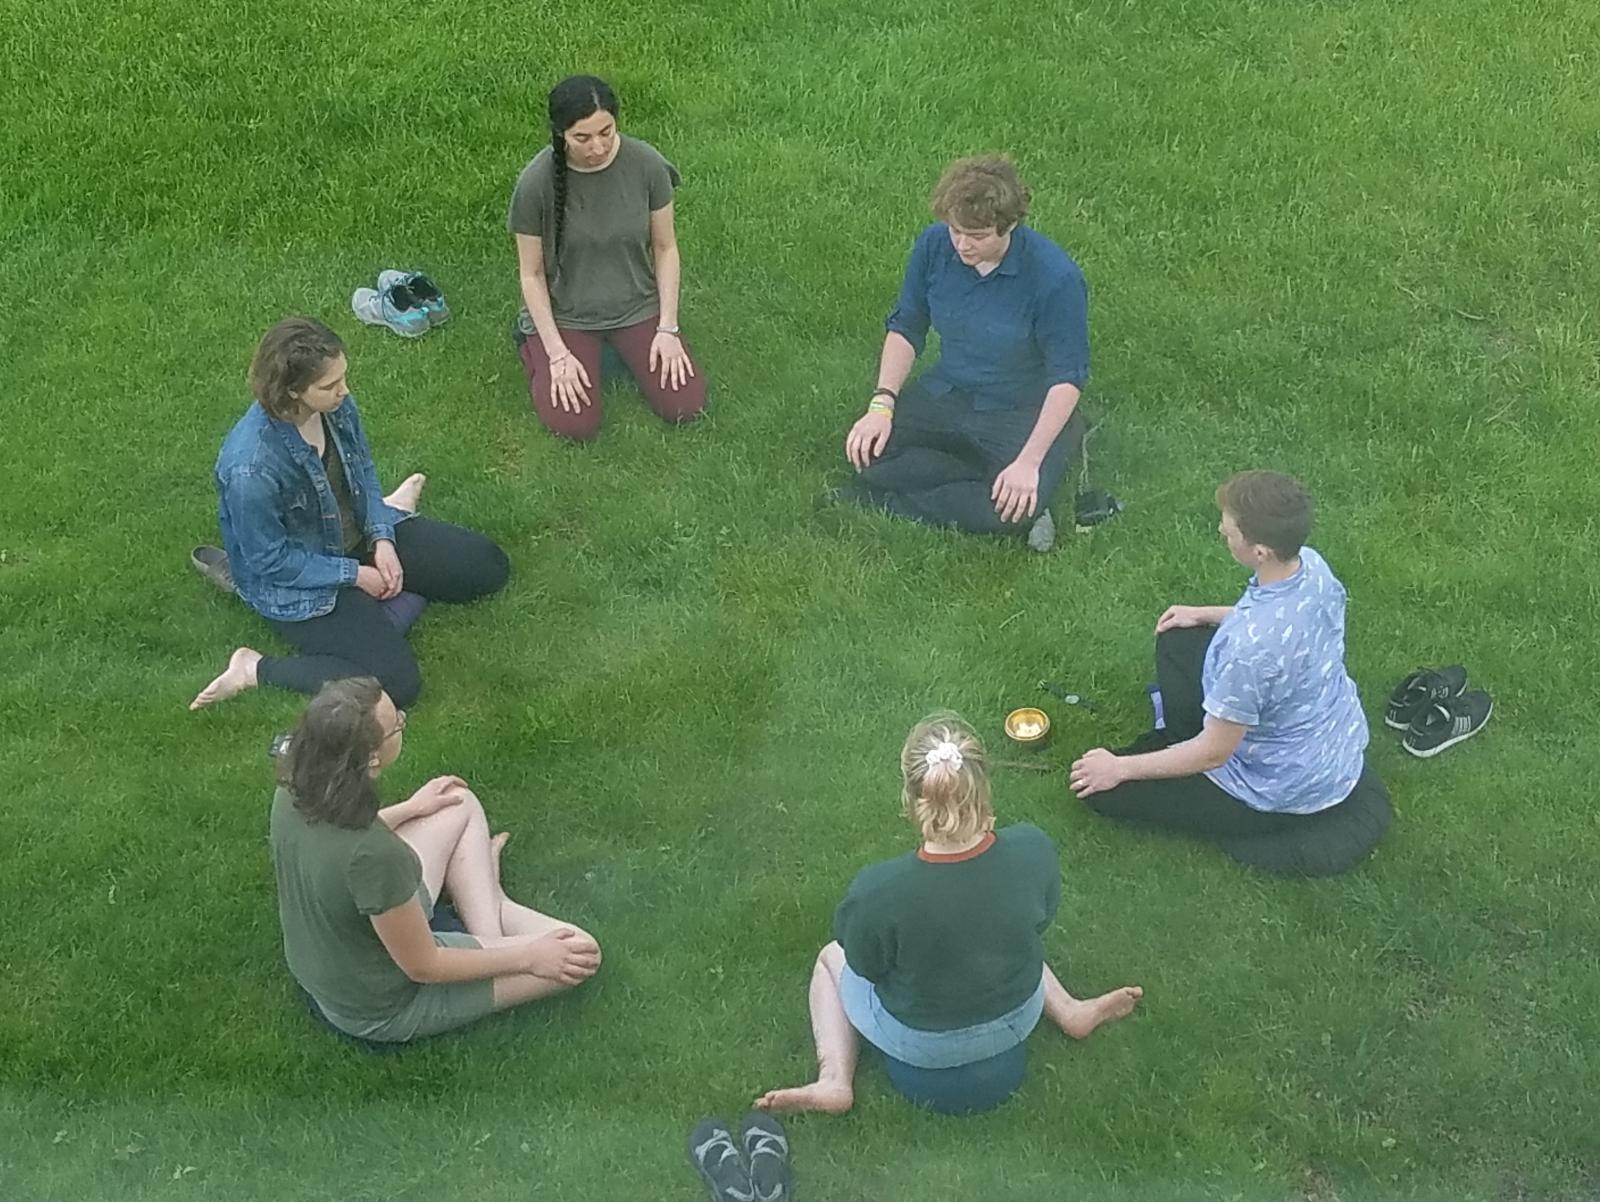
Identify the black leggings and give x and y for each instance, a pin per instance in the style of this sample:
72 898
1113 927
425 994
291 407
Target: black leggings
441 562
1193 804
937 470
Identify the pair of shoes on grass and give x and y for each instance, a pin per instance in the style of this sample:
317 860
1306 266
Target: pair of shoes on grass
1435 710
762 1175
406 302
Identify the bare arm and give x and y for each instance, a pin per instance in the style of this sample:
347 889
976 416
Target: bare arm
563 956
1211 748
1099 769
895 362
536 293
1016 489
1180 617
1059 404
870 434
434 796
407 938
669 266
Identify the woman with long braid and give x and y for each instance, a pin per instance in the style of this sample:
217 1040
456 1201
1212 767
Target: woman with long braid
598 261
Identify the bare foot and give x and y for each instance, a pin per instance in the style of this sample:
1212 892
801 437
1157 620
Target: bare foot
1107 1008
239 675
409 493
819 1096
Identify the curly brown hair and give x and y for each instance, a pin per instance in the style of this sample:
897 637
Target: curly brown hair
980 193
290 356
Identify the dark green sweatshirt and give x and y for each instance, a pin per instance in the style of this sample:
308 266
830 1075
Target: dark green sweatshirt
950 941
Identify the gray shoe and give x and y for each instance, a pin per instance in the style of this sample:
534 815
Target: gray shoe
212 563
1042 535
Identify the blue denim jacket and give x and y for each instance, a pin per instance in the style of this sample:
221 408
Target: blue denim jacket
280 522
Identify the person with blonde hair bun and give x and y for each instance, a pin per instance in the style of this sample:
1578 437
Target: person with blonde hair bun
938 954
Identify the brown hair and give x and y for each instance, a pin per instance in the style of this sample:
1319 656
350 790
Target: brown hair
1270 509
290 356
327 765
980 193
948 801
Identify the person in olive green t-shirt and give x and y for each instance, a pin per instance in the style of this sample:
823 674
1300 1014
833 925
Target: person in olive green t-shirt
597 258
938 958
357 884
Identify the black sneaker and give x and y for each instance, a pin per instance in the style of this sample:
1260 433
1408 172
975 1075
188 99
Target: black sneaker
1413 696
1448 722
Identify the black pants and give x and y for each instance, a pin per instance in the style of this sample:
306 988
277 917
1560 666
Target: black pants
1192 804
942 458
441 562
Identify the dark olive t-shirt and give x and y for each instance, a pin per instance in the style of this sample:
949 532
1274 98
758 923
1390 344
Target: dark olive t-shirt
330 882
603 275
954 941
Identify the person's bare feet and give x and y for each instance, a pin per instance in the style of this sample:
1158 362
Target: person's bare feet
1089 1015
825 1097
239 675
409 494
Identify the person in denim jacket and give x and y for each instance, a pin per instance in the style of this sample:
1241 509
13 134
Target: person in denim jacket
313 545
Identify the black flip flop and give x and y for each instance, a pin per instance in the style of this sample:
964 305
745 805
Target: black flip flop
714 1157
766 1147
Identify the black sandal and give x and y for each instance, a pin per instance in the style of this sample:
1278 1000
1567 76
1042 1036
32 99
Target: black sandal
766 1146
714 1157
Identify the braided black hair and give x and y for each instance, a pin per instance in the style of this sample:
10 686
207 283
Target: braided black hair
571 100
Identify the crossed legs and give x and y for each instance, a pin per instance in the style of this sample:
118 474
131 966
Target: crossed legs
462 860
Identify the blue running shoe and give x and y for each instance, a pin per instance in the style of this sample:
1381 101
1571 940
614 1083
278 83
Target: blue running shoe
422 292
386 309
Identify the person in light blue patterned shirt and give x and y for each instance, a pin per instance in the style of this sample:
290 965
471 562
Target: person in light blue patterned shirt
1276 667
1264 733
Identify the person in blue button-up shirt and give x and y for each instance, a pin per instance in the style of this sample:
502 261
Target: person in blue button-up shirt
312 544
982 439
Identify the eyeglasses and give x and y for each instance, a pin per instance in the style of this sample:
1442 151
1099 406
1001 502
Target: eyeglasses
399 725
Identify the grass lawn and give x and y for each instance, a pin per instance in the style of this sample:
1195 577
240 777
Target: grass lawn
1349 239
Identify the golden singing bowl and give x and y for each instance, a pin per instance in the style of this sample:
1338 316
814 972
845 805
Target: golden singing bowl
1028 727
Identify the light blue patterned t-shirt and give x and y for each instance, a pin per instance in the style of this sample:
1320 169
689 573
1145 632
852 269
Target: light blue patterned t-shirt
1276 665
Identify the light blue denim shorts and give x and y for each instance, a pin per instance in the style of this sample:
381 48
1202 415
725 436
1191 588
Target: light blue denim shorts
934 1049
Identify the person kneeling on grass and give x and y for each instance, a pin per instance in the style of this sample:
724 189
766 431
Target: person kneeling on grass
357 886
1263 727
598 263
938 958
312 544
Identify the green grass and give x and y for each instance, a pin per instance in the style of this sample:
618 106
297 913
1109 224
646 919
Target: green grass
1356 241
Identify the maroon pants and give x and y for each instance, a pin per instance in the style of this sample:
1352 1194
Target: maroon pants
632 343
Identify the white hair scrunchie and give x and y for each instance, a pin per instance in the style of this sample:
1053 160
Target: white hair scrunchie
944 753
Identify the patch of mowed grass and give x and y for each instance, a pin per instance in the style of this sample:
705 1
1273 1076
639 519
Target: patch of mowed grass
1344 239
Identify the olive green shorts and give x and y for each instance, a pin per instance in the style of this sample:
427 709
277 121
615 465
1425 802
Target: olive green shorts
436 1008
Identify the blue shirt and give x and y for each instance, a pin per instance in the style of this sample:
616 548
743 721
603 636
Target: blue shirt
1276 665
280 519
1006 338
